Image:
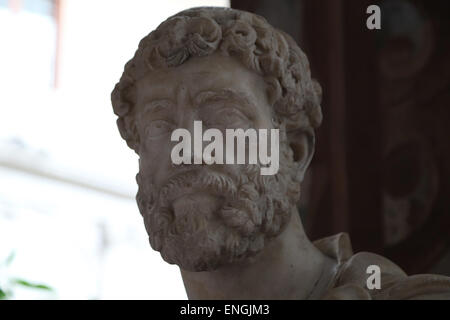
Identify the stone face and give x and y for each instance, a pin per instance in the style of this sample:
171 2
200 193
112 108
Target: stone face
234 233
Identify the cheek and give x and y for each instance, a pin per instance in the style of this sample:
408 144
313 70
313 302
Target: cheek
155 159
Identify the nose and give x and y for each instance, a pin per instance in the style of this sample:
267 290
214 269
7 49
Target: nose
190 119
195 128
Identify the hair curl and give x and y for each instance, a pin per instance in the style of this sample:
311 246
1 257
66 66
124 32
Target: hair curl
197 32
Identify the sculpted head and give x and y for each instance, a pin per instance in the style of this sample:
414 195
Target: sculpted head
229 69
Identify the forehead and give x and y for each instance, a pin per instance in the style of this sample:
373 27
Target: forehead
211 73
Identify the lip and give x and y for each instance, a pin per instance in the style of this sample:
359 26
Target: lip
199 191
193 195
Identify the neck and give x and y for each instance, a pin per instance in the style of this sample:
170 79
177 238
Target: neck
289 267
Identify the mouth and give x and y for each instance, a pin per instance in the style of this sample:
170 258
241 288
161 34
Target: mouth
199 200
194 196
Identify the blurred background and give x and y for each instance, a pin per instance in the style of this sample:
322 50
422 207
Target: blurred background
69 224
68 217
381 171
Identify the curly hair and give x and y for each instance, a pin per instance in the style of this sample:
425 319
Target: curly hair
196 32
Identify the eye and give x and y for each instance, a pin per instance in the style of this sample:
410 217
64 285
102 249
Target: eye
230 117
157 128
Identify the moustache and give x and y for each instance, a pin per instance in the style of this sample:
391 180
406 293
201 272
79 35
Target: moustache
205 180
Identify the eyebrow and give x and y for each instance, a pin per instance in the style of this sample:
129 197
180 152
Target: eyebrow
157 105
225 94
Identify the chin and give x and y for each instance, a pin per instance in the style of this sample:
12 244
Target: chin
207 245
199 251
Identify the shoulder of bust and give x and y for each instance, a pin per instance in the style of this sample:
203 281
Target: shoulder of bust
350 281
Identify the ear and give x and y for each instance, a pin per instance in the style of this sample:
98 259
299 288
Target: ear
302 144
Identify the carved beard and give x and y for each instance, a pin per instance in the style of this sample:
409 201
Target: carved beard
225 217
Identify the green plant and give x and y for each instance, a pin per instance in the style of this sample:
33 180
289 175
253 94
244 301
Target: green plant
6 292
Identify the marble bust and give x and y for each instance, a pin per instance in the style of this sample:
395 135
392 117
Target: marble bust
236 234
